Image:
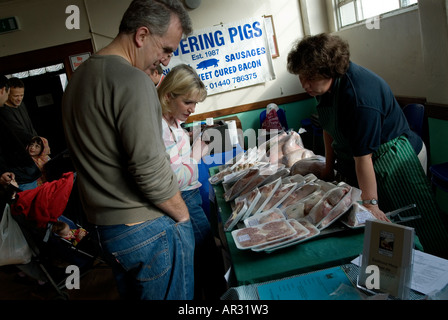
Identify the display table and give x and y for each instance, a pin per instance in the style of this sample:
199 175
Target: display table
250 292
251 267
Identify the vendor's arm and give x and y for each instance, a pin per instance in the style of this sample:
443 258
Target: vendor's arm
367 183
328 173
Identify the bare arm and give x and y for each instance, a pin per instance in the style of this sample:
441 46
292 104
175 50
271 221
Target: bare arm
328 174
176 208
367 183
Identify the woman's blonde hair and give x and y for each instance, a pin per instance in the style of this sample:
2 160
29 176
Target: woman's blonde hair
181 80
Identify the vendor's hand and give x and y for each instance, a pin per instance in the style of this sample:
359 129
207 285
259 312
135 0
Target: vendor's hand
377 212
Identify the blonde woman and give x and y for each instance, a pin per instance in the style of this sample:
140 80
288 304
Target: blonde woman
179 93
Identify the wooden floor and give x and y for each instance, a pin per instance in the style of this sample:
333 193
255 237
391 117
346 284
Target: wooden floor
97 284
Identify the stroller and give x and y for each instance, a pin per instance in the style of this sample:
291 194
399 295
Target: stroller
36 211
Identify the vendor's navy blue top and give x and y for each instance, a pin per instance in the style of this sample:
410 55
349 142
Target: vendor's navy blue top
360 112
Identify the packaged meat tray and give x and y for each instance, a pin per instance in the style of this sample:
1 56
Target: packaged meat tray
341 208
263 217
298 178
265 173
280 173
295 211
247 238
357 216
313 232
266 192
251 200
280 195
235 217
300 193
302 232
236 189
333 205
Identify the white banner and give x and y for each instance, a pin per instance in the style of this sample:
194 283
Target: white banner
228 56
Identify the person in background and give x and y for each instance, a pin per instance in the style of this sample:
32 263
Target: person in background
367 137
39 150
156 75
4 90
14 160
16 114
63 230
179 94
113 132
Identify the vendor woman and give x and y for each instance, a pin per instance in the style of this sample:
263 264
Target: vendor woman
367 138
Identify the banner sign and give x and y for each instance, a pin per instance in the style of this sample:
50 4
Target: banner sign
228 56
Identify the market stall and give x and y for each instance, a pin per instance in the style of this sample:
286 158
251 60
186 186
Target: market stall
257 198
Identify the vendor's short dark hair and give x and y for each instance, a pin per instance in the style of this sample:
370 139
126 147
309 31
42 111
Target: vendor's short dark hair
320 56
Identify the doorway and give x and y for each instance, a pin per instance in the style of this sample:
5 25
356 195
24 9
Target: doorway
44 90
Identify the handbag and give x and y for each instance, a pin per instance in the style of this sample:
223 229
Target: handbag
14 248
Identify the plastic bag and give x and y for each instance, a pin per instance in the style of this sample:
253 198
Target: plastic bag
13 246
272 121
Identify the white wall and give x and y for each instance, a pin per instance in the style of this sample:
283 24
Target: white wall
394 52
434 29
42 25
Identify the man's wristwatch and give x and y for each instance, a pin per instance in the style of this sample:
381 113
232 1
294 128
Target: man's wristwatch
371 201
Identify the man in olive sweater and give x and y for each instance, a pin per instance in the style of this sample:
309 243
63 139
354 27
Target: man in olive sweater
112 122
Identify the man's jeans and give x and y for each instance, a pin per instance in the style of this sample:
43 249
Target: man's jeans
199 220
151 260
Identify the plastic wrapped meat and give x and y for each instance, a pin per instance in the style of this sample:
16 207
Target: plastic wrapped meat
269 232
340 208
279 195
295 211
291 158
264 148
357 216
260 218
293 143
326 204
299 194
236 189
301 232
281 173
236 215
314 164
266 192
251 199
311 201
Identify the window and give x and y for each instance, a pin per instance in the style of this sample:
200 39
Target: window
35 72
353 11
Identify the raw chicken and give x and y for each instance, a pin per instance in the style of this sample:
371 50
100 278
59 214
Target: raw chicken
291 158
326 204
236 189
299 194
314 164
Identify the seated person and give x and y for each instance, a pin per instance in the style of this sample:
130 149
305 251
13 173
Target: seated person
63 230
39 150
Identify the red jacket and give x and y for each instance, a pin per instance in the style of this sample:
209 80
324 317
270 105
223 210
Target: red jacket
45 203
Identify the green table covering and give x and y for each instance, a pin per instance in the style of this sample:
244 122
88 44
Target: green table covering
255 267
